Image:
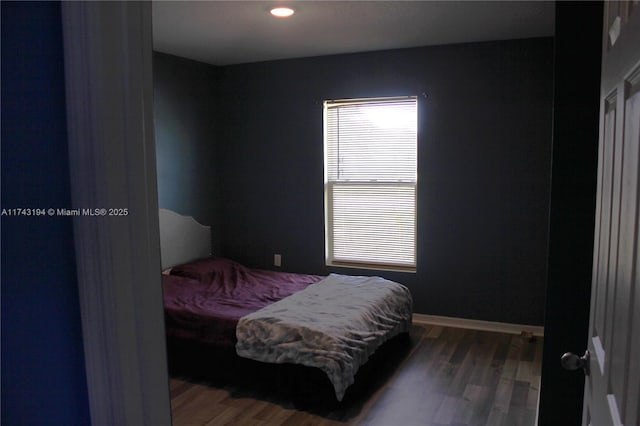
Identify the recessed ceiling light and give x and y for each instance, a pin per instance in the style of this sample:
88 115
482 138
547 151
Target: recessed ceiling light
282 12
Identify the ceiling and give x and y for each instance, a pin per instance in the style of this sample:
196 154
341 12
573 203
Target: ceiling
234 32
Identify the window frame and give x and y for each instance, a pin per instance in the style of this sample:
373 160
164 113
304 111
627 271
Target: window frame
329 186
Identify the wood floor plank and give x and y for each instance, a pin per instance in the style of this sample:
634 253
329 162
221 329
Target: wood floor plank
406 408
447 410
434 332
200 409
483 369
532 397
477 408
448 376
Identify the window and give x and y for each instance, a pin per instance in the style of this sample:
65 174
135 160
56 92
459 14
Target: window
370 182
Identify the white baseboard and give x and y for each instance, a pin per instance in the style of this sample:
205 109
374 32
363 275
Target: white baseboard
499 327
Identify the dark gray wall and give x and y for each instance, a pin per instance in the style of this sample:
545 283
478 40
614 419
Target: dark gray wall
484 165
186 121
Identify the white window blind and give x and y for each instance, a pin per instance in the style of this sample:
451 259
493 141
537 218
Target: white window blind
370 182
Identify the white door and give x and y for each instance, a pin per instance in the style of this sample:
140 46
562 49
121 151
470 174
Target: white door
612 387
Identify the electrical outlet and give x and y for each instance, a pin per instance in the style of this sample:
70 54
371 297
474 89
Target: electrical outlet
277 260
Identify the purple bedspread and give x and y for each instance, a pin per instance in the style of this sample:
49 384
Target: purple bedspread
203 300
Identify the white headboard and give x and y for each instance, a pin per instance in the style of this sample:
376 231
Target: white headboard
182 239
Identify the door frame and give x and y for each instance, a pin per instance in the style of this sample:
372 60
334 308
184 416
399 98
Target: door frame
577 63
109 94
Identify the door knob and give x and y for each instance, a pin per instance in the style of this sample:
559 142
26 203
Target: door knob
571 361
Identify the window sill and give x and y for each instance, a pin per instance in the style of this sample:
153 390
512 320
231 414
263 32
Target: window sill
373 266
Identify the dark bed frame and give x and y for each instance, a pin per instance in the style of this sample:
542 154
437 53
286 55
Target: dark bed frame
304 387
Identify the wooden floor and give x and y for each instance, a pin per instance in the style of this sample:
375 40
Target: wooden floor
447 376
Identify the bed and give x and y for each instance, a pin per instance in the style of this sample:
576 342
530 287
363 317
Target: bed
329 323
